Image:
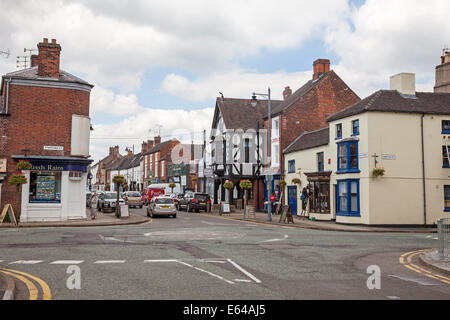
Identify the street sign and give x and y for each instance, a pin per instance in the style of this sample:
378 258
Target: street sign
54 148
8 210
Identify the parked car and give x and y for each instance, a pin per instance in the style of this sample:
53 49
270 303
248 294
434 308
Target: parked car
195 201
161 206
107 201
176 197
133 199
88 199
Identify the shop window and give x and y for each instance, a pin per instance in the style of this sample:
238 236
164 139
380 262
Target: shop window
339 131
45 187
447 198
445 126
348 157
348 198
291 166
355 127
247 151
320 164
75 175
445 156
320 197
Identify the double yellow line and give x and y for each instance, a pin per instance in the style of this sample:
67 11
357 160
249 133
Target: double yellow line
31 286
406 260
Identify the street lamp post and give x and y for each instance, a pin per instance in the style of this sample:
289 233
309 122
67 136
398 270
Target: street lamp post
268 176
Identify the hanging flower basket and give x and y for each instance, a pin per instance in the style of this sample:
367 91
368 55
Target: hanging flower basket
228 184
378 172
118 180
296 181
172 185
23 165
17 179
194 179
282 183
245 184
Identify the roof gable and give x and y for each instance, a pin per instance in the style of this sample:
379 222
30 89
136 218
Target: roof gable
308 140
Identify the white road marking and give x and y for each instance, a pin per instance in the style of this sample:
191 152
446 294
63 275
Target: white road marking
248 274
274 240
26 262
242 280
393 297
214 261
424 282
67 262
288 227
114 239
210 273
161 260
429 236
109 261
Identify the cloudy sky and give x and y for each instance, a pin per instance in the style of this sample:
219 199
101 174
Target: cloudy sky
158 66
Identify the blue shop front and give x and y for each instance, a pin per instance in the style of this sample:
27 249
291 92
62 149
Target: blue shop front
56 188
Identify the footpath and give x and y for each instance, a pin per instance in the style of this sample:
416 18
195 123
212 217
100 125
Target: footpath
102 219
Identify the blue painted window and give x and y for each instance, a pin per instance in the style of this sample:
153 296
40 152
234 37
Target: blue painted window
347 157
320 164
348 198
291 166
447 198
445 155
355 127
445 126
339 131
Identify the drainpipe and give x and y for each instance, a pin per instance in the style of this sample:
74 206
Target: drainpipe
7 94
423 172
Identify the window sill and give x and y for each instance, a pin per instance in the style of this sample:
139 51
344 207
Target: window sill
338 138
348 171
356 215
355 134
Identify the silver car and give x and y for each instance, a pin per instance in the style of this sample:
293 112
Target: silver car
161 206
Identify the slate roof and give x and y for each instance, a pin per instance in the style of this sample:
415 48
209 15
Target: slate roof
308 140
240 114
117 163
159 146
31 74
393 101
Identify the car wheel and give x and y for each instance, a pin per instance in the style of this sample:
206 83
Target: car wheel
197 210
174 216
140 207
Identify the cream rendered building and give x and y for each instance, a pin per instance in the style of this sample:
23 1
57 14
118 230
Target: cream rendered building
404 132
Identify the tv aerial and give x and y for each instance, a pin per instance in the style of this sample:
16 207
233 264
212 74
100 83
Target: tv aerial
23 61
7 53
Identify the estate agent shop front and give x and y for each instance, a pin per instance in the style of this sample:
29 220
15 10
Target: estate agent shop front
54 189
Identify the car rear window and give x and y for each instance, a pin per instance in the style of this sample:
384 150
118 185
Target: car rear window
201 197
164 201
134 194
110 195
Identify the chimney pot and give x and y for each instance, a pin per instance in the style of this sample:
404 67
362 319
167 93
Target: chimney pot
54 41
157 140
45 40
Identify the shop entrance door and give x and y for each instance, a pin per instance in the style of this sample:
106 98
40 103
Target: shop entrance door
292 198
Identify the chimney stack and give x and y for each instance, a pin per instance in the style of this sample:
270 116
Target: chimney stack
34 60
404 83
320 66
48 61
287 93
157 140
442 84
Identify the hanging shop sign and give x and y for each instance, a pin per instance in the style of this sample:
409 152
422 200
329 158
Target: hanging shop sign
2 165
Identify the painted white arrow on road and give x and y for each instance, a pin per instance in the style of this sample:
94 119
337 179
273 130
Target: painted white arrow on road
274 240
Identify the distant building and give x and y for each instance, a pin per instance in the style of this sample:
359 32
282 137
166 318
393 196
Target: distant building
44 118
443 74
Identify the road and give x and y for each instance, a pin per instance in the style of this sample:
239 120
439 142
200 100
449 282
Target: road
203 257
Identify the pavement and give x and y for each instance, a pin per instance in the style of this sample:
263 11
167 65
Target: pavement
303 222
103 219
432 259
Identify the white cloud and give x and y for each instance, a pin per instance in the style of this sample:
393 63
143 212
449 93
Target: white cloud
236 83
389 37
184 125
114 43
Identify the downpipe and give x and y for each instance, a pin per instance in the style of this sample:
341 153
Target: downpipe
423 173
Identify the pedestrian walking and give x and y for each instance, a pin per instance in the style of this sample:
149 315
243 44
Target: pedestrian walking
93 203
304 199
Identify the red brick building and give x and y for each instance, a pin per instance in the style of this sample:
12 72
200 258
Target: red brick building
44 118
